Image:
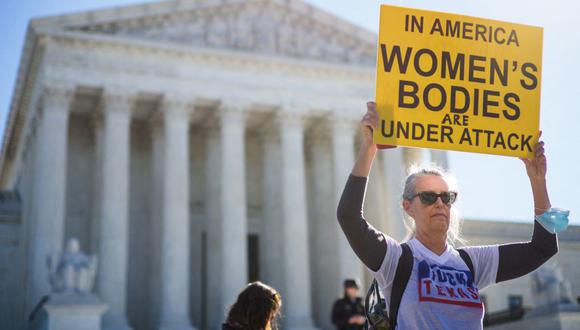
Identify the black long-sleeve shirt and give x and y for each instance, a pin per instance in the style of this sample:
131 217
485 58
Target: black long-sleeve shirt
515 259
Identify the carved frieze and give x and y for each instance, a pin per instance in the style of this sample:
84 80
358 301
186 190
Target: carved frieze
264 27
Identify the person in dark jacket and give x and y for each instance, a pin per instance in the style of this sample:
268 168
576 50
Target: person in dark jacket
256 308
348 313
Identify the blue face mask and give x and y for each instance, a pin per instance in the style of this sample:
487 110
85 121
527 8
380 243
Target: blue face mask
554 220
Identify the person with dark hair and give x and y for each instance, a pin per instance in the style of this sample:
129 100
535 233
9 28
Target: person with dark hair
256 308
348 312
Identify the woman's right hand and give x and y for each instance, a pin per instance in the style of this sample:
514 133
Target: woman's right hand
369 122
536 166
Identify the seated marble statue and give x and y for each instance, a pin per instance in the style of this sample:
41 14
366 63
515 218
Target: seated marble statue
550 288
72 272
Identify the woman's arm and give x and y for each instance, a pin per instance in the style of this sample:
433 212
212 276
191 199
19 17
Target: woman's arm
519 259
367 242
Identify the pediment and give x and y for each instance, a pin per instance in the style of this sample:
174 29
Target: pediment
276 27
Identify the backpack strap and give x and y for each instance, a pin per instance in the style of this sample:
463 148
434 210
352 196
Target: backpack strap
404 268
467 259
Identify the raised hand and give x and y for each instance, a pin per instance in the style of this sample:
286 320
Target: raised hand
536 167
370 122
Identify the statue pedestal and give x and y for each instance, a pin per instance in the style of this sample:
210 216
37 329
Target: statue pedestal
72 312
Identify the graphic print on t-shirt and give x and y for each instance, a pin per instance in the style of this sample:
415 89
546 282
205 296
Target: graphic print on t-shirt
447 285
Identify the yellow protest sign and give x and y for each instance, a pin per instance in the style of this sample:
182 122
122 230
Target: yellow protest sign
455 82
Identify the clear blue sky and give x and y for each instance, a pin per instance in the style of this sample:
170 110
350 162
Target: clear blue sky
492 187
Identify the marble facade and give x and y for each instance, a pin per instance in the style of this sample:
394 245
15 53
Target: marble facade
169 136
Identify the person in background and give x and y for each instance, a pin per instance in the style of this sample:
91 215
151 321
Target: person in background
256 308
348 312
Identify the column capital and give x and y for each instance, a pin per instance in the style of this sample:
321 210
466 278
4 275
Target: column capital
113 101
176 105
344 121
291 117
57 97
233 109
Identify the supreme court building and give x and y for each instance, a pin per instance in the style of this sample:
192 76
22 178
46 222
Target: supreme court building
193 146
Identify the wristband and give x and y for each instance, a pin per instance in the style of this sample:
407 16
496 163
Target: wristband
554 220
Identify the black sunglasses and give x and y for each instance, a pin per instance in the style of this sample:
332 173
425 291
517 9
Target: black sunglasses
429 197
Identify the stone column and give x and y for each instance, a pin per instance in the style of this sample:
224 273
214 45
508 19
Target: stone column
412 156
296 248
343 133
213 301
323 227
174 284
273 239
49 188
157 156
113 239
233 204
95 223
393 176
439 157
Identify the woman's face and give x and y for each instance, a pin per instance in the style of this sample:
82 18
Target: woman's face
429 219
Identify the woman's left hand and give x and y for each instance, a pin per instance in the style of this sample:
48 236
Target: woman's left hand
536 167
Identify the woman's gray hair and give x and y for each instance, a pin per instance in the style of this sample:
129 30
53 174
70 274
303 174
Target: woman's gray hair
455 222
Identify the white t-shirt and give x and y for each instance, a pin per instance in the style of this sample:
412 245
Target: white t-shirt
441 293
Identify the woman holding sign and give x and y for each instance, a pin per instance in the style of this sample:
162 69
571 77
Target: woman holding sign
436 285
